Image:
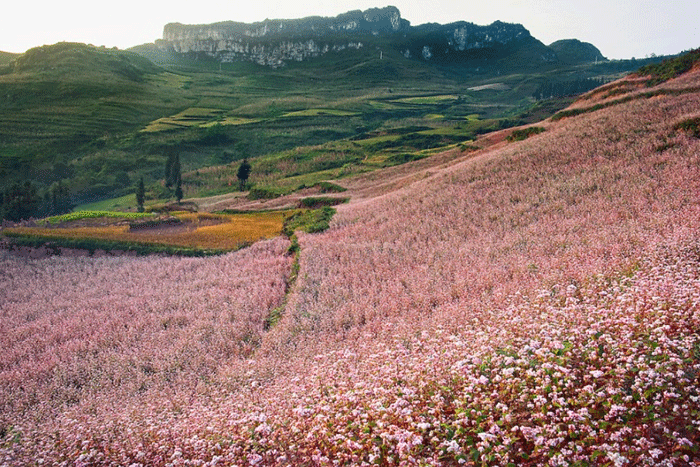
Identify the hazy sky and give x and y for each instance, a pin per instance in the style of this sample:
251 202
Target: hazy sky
620 29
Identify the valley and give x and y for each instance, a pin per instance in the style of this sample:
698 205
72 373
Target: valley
424 267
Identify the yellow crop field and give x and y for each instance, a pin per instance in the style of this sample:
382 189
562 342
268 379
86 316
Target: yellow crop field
195 230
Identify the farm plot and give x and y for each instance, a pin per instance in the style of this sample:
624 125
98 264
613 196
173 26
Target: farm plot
191 231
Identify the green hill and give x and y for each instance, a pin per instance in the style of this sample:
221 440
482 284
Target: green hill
98 119
573 51
68 107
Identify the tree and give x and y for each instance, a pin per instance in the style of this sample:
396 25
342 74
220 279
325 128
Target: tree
140 194
243 173
20 201
172 167
59 199
178 190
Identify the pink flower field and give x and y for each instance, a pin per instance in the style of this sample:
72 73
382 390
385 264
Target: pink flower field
533 303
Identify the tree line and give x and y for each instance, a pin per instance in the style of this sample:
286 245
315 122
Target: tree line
23 200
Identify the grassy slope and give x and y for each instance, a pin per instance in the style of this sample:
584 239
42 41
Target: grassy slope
70 107
77 113
6 58
534 303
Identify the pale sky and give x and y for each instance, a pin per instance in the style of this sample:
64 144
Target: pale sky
620 29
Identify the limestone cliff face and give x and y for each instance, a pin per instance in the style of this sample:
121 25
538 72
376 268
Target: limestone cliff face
277 42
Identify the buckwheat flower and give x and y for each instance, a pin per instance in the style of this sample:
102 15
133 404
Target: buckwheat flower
685 441
597 373
617 459
486 437
452 446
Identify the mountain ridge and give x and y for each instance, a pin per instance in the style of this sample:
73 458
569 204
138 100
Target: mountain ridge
277 42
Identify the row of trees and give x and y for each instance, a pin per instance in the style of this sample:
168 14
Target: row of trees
173 174
22 200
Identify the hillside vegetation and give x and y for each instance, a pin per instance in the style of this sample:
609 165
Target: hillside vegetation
96 120
529 302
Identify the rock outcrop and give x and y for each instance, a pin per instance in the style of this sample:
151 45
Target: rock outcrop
276 42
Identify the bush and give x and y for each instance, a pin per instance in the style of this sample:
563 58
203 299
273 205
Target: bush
397 159
525 133
259 192
316 220
317 202
328 187
691 126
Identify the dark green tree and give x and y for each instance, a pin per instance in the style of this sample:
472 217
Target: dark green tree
20 201
172 167
178 190
59 199
243 173
140 194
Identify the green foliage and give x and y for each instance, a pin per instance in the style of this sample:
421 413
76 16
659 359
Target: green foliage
262 192
328 187
403 158
79 215
525 133
57 200
214 135
173 170
669 69
19 202
108 117
691 126
553 89
178 191
140 194
243 173
319 201
71 57
309 221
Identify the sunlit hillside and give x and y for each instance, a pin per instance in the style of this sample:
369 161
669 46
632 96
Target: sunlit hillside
532 302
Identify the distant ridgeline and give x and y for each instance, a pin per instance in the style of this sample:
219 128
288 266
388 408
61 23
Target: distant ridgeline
277 42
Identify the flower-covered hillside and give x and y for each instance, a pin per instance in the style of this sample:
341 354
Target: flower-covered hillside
535 304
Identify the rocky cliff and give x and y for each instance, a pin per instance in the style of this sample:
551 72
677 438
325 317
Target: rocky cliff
277 42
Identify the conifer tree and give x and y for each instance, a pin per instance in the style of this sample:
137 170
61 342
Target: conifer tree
140 194
243 173
178 190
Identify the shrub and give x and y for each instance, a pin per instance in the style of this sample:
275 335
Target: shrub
396 159
312 221
328 187
259 192
525 133
317 202
691 125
